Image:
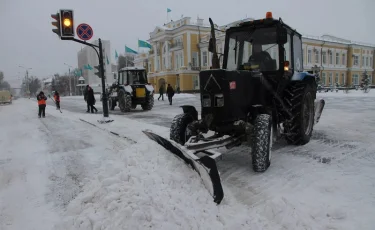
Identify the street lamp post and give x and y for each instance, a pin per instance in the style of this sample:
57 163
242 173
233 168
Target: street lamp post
70 80
27 79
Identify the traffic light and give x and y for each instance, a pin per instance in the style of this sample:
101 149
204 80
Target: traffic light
67 24
57 23
97 67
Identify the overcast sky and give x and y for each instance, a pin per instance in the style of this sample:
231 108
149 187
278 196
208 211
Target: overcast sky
26 38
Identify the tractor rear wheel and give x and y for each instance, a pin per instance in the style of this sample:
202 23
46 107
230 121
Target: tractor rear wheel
299 97
149 104
124 101
261 142
178 131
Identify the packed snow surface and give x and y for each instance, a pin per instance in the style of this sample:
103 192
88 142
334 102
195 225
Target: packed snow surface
63 173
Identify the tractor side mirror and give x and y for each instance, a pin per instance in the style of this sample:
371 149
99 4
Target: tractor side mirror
282 36
211 46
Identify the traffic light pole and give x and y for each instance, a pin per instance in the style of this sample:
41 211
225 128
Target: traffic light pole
101 64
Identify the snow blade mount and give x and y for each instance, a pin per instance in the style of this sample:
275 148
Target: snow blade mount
205 166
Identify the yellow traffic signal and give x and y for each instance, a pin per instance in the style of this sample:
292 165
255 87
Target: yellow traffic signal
67 25
67 22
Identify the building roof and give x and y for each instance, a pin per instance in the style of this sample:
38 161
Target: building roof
132 68
331 38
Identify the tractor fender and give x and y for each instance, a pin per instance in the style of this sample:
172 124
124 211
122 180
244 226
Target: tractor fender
189 109
150 88
302 76
127 88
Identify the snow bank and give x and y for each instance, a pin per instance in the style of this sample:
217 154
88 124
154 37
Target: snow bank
351 93
143 186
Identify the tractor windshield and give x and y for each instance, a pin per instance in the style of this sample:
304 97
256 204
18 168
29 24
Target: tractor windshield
254 49
136 77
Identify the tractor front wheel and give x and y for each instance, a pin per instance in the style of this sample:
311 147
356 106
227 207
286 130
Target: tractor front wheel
179 132
261 142
124 101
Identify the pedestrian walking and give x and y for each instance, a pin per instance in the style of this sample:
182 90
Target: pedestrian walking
161 92
85 97
56 97
91 100
170 93
41 104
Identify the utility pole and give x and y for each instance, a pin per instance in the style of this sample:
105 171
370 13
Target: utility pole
101 64
70 80
27 86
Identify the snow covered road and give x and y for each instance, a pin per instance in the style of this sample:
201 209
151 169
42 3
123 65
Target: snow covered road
64 172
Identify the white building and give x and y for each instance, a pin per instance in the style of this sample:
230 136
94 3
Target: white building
87 56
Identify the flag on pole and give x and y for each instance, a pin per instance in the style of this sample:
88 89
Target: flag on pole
89 67
116 54
168 10
128 50
107 60
144 44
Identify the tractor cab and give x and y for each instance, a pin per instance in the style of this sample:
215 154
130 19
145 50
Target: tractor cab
267 45
132 76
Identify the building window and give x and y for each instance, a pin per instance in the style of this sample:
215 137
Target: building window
204 58
324 79
330 58
343 80
194 61
330 79
363 60
366 61
309 56
343 59
337 78
164 63
355 61
370 64
355 80
317 57
324 56
337 58
195 82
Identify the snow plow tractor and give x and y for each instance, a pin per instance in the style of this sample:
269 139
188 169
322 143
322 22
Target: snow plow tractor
130 90
260 95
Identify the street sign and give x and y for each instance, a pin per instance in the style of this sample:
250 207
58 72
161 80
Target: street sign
84 31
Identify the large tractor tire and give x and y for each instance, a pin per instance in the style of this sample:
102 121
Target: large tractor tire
178 131
149 104
124 101
299 98
261 142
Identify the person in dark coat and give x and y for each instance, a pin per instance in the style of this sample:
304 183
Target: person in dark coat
85 97
41 104
91 100
170 93
161 92
56 97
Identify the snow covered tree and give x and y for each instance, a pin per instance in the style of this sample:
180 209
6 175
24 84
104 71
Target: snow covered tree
365 83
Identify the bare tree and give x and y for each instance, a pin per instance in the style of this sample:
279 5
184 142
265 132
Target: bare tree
3 84
33 84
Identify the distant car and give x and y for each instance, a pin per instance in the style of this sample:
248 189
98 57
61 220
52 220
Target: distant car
5 97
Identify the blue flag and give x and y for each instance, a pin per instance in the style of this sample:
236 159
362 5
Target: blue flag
168 10
128 50
116 54
144 44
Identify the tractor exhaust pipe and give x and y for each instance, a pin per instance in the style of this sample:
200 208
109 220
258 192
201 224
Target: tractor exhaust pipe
212 47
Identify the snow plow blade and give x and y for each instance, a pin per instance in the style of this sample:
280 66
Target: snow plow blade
205 166
319 105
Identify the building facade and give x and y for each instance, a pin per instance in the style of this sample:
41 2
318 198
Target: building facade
87 56
180 50
175 55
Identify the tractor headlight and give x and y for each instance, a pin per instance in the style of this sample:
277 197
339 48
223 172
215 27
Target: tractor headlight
219 100
206 101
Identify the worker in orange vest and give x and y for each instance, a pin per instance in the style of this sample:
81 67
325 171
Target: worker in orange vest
41 104
56 97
